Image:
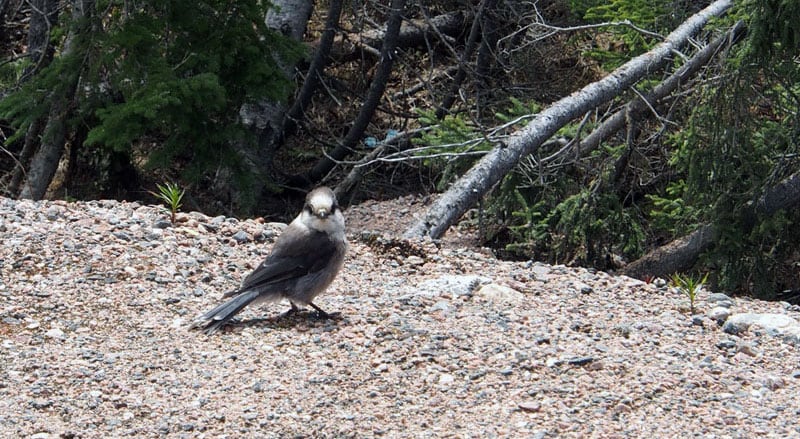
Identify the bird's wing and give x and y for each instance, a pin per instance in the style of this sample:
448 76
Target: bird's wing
291 259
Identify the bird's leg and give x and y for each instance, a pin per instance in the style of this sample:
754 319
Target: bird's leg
291 311
324 315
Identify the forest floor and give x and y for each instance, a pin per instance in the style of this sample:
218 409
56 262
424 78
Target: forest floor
435 339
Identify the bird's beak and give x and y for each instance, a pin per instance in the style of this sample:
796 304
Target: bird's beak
323 213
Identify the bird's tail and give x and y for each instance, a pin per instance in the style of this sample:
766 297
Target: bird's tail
214 319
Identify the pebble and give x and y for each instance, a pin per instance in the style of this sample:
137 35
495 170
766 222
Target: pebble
530 406
500 294
719 314
162 224
446 379
241 237
414 260
720 300
55 333
449 285
775 324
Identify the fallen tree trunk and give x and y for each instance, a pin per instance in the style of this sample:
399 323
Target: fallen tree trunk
413 33
644 104
681 254
467 190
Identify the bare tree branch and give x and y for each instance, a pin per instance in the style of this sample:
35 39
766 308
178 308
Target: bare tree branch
377 87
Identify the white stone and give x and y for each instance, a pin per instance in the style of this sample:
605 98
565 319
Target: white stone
500 294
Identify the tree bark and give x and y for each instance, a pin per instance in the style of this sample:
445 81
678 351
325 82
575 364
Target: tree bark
314 75
45 161
44 15
681 254
469 50
467 190
265 118
374 95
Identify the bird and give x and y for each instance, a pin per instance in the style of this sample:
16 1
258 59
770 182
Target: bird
305 259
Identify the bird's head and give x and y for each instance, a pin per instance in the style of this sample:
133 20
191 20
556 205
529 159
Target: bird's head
321 211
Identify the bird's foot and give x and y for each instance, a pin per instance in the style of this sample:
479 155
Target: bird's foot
326 315
293 310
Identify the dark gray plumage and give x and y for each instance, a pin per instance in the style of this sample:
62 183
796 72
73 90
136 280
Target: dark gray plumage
303 263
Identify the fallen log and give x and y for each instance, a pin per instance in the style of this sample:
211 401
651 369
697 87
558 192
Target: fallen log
681 254
471 187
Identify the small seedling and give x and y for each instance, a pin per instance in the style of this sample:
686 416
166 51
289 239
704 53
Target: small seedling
171 195
689 286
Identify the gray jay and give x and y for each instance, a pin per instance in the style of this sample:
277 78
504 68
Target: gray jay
304 261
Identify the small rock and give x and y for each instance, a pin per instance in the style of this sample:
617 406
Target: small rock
719 314
41 404
500 294
452 285
446 379
726 344
622 330
122 236
162 224
210 227
55 333
414 260
53 213
584 288
443 306
659 283
773 383
747 349
241 237
530 406
776 324
580 361
720 299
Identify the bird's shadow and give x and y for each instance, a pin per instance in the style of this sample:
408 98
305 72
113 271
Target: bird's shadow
296 320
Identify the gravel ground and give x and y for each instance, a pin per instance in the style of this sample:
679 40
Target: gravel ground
435 341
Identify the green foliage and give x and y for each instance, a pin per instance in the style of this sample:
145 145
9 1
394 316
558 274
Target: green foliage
740 138
671 214
165 79
688 286
619 43
586 228
171 194
450 144
773 27
567 218
517 110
